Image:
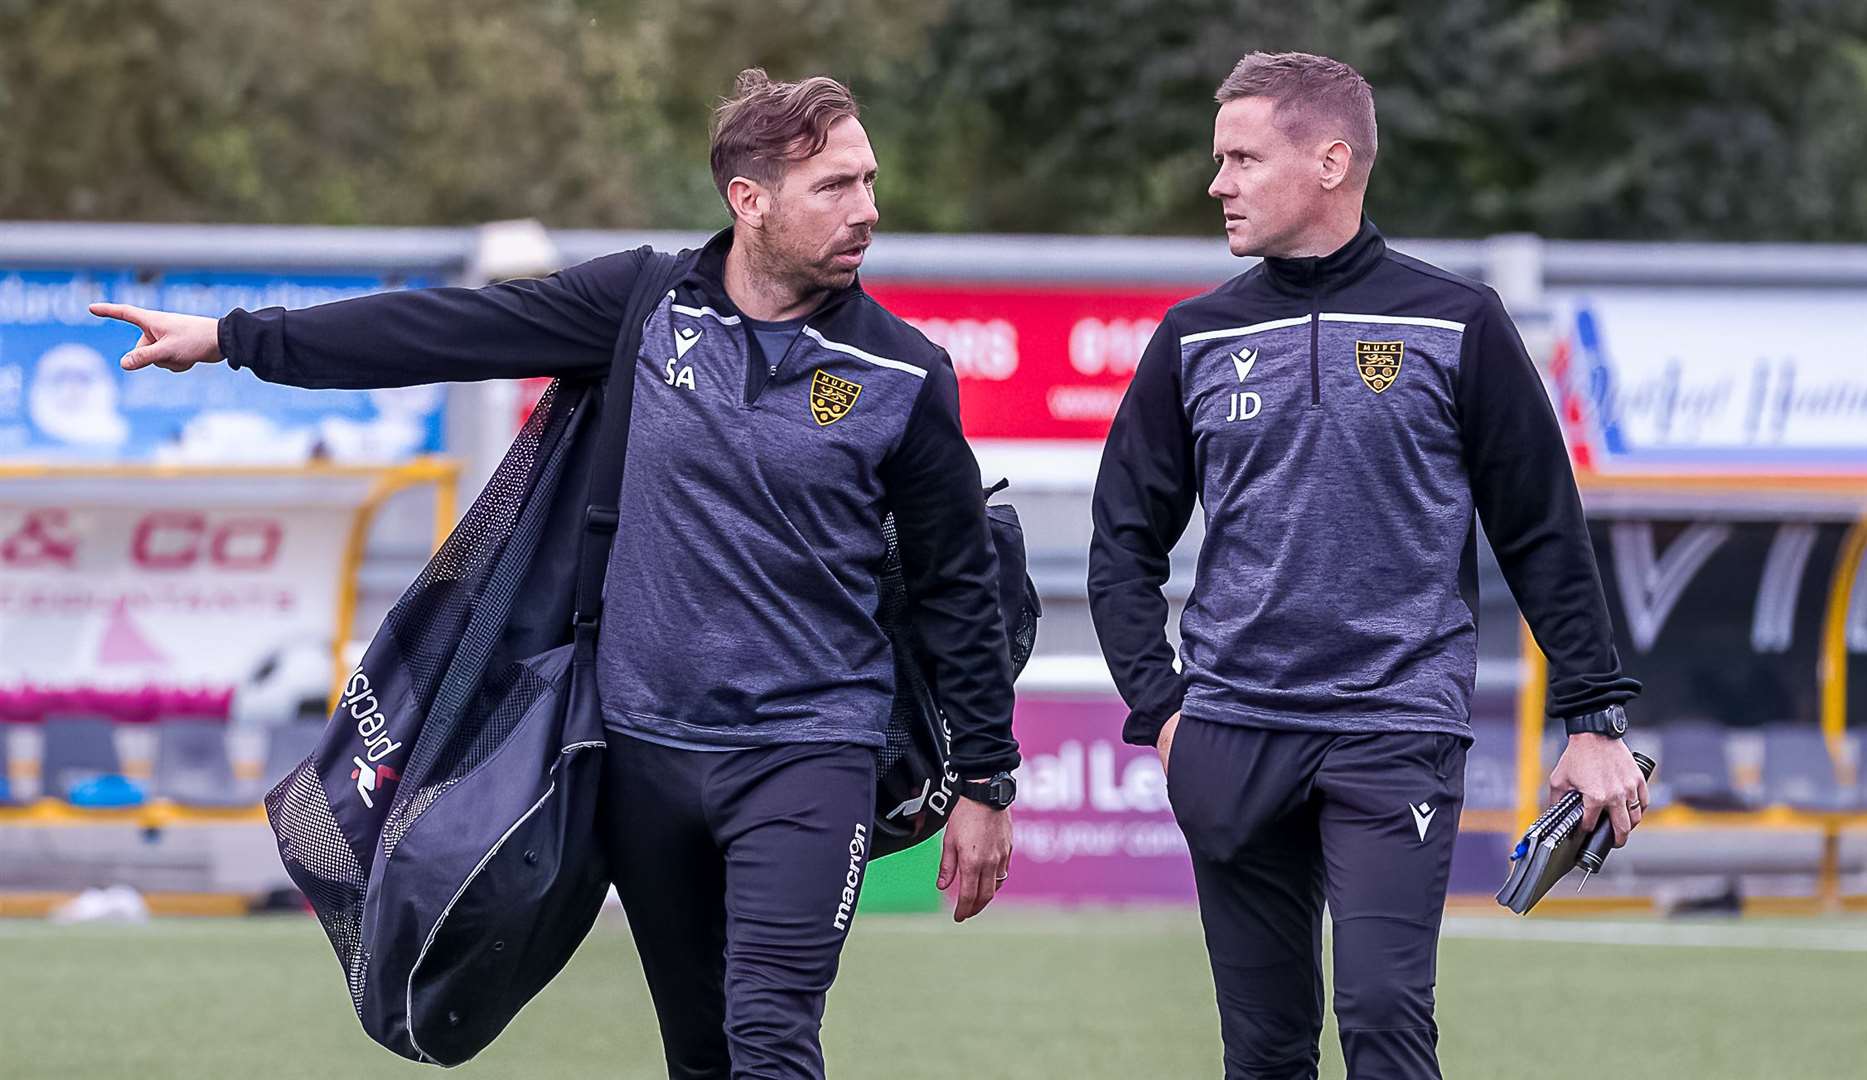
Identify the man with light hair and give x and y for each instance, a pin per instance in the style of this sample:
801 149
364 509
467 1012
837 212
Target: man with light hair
1339 411
779 413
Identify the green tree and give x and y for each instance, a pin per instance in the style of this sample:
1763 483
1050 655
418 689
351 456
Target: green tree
1675 118
1711 119
346 111
675 60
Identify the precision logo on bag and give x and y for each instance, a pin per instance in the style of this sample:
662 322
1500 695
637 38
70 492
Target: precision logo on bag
915 809
1379 362
369 777
831 398
377 745
939 800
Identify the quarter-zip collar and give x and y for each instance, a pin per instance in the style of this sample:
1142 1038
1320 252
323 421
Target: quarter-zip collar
709 279
709 276
1317 274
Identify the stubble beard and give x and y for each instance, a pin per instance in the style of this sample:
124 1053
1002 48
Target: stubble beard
798 272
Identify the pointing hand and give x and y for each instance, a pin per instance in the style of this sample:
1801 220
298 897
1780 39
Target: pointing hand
171 341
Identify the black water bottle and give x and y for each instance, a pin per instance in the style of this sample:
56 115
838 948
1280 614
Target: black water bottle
1601 841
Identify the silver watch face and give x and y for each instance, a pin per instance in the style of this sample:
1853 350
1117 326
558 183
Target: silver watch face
1617 718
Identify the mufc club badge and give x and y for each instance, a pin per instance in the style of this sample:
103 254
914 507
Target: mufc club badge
1378 362
831 398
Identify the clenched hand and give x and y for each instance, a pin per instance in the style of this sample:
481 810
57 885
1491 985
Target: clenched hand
1603 770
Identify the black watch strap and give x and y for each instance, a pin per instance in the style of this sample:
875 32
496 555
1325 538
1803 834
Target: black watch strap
1611 721
997 792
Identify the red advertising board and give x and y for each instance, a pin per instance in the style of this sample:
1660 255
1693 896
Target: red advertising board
1035 361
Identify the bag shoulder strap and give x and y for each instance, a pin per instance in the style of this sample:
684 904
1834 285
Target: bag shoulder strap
657 274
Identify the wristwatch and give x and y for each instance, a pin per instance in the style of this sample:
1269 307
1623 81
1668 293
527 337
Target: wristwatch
1611 721
996 792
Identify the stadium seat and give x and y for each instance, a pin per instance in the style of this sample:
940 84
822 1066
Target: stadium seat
1694 769
7 795
1798 770
77 750
288 744
192 764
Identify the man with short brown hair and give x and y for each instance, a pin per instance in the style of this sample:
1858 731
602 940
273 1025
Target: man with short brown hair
779 413
1339 411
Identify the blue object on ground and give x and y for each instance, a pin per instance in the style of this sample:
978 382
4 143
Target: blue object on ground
107 790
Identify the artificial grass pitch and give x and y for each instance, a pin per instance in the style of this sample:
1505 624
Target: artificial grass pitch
1018 993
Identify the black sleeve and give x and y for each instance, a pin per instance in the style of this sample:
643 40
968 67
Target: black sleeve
951 570
565 324
1144 496
1525 494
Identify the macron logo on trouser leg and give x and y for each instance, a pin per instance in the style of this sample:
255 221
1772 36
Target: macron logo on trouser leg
1423 817
858 849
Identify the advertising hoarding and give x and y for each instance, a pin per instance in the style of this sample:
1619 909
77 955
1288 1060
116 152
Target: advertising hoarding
64 399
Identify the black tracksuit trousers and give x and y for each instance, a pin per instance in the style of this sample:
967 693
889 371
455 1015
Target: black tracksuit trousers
1277 821
739 871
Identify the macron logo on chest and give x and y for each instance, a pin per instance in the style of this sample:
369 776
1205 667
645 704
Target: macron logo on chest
1245 404
830 396
679 375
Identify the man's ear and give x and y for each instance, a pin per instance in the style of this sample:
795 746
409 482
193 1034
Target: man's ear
749 201
1333 165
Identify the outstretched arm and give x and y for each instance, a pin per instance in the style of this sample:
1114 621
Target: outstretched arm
565 324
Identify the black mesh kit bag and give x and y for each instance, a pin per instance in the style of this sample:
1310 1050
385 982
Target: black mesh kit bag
444 830
914 781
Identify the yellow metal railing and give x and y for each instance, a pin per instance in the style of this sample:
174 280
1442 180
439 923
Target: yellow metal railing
154 814
444 474
1834 662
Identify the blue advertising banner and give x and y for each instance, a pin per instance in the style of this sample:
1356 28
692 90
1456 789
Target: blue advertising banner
1692 380
64 399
